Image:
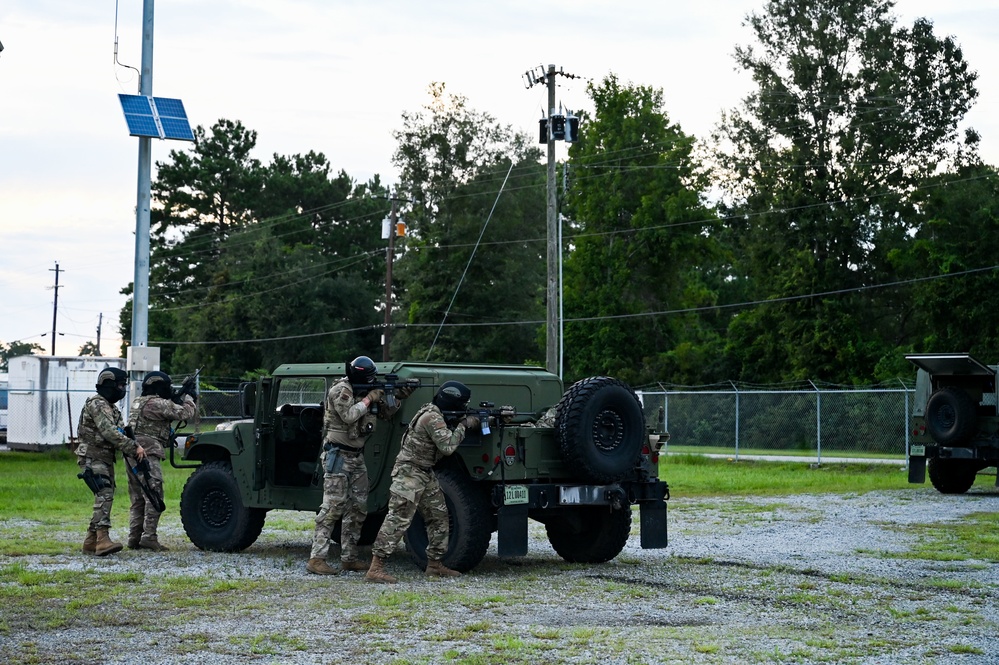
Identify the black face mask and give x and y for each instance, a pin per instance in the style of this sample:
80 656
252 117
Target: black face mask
111 392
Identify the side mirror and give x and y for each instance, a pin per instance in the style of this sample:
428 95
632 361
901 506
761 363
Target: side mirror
248 399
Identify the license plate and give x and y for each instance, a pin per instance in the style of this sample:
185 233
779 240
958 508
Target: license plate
514 494
917 451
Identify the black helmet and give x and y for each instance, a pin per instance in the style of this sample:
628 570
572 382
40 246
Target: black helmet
111 384
361 370
452 396
159 384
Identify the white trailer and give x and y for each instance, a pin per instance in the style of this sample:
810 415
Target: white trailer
46 395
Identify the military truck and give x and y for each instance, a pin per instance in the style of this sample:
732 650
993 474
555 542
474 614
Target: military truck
955 426
580 477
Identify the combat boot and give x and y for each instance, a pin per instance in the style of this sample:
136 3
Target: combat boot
152 543
104 544
353 564
376 573
90 543
318 566
437 569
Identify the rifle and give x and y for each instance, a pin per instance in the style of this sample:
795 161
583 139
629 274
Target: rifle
502 415
390 386
189 387
137 467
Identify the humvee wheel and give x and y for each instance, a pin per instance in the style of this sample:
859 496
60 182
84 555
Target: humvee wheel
469 512
600 428
593 534
213 513
952 476
950 416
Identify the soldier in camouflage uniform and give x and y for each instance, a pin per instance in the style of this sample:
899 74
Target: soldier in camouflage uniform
150 417
100 435
414 485
348 420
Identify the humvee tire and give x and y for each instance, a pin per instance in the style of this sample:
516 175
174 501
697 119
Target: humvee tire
600 429
469 529
213 513
952 476
950 416
593 534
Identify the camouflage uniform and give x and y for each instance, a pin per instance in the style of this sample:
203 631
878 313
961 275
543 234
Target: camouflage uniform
151 417
100 436
414 485
347 423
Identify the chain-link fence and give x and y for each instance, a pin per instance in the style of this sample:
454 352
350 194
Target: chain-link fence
856 422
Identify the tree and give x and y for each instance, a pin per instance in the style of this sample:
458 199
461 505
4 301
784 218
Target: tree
639 243
89 349
850 113
469 178
16 349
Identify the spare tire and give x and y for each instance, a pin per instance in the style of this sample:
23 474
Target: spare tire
950 416
600 429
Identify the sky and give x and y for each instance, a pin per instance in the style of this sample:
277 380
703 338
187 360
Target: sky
324 75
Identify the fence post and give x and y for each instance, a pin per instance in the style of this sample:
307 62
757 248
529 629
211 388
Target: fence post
736 389
905 425
818 423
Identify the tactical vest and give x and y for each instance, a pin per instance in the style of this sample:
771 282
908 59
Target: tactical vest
92 442
155 432
335 429
418 448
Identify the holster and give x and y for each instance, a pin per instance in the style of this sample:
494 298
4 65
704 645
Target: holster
93 481
334 460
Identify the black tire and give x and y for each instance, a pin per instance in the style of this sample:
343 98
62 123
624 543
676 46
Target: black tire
593 534
950 416
470 523
600 429
952 476
213 513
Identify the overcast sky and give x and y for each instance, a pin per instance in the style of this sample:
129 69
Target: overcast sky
324 75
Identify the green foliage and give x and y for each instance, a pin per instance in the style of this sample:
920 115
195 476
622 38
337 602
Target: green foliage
850 113
639 243
15 349
475 253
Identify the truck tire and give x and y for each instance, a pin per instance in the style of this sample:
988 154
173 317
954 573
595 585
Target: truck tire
952 476
594 534
600 429
469 516
213 513
950 416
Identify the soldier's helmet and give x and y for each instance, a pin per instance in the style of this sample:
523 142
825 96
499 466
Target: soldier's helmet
452 396
159 384
112 376
361 370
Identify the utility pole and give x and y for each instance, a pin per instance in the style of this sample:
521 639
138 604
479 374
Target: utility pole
100 319
389 257
554 253
55 303
140 286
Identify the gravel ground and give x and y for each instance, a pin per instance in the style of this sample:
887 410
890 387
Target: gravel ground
796 579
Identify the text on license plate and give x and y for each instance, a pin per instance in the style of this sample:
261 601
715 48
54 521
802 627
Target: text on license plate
514 494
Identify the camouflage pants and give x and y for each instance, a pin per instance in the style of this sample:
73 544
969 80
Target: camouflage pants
101 518
143 518
345 496
414 489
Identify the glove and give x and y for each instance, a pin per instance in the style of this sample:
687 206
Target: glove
376 395
470 422
507 413
405 390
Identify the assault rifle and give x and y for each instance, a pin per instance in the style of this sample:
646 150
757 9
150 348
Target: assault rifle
391 386
189 387
501 416
144 480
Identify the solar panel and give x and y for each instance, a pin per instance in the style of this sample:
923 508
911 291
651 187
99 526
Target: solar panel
156 117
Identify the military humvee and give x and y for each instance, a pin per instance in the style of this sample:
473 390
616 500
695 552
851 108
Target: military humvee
955 426
579 478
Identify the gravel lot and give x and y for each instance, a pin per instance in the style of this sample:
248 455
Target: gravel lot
797 579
